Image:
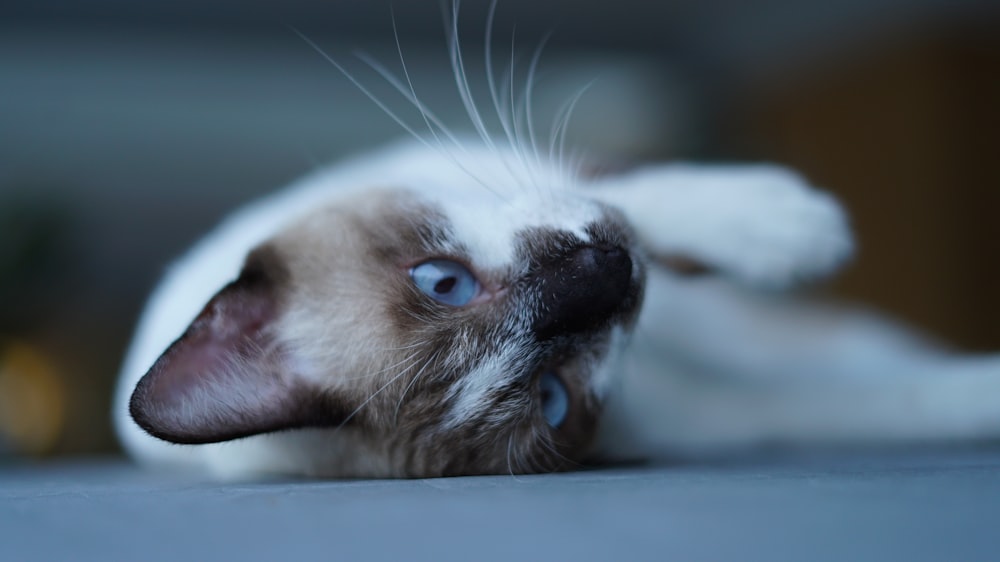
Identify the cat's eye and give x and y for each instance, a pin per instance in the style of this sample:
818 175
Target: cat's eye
445 281
554 397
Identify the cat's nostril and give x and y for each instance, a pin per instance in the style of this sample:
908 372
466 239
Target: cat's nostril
582 289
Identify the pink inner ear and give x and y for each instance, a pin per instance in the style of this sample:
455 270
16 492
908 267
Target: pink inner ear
226 377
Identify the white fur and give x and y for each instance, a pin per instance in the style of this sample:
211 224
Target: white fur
471 393
715 367
761 224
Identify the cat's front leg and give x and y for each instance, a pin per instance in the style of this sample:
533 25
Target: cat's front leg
761 225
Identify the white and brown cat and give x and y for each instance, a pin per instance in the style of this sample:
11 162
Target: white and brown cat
458 306
427 311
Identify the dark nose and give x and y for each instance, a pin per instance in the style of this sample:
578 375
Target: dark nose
582 289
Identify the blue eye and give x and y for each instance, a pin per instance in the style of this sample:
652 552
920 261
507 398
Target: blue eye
445 281
555 399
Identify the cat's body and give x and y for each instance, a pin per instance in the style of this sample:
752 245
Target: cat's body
331 355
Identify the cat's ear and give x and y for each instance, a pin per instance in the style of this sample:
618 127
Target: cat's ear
227 376
760 225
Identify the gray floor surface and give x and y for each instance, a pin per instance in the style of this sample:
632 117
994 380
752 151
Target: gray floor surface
942 505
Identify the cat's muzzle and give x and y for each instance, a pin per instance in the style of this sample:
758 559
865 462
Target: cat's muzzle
584 289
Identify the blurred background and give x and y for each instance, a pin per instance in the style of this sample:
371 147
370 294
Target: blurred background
128 128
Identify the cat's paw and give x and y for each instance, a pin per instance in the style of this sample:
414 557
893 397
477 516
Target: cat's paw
760 224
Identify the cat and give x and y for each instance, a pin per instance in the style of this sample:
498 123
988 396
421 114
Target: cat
458 306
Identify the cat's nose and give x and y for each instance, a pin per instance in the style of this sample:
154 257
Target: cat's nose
583 289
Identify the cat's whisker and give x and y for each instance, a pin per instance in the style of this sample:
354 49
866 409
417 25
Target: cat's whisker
509 125
374 395
425 113
510 443
503 95
508 121
357 84
528 462
490 77
557 140
416 344
462 80
394 116
528 95
523 467
547 441
410 358
378 350
428 116
515 139
431 121
576 159
512 458
332 333
469 103
521 113
531 455
423 316
431 360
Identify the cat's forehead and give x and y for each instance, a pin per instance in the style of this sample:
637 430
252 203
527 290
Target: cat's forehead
488 198
450 217
496 212
490 226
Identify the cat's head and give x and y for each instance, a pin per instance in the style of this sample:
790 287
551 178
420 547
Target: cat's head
433 328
